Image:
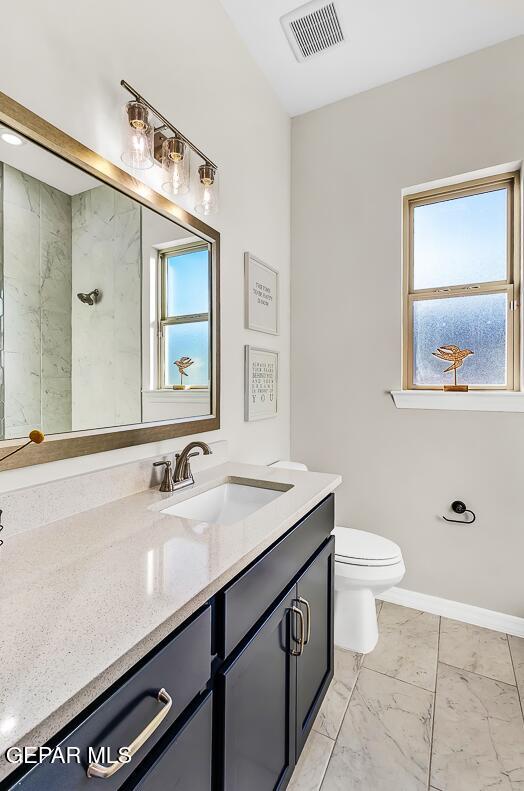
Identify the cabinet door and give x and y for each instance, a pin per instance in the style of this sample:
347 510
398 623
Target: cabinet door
315 597
258 688
181 762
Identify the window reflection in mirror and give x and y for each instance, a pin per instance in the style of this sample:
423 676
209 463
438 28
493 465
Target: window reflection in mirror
105 302
184 323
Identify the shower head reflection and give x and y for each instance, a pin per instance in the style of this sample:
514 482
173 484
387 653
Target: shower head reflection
91 298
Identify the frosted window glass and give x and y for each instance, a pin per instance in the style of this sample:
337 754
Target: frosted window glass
474 322
188 283
460 241
187 340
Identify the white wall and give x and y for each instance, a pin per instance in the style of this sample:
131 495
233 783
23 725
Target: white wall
401 468
66 65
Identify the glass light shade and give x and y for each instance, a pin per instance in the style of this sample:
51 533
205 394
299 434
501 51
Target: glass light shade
138 137
207 190
176 164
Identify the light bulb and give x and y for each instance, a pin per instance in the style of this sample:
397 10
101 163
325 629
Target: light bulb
11 139
138 142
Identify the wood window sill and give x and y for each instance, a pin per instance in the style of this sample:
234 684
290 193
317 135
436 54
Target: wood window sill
474 401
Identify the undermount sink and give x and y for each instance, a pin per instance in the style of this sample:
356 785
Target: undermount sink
229 502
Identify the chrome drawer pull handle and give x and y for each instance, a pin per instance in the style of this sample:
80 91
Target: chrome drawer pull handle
98 770
308 609
300 642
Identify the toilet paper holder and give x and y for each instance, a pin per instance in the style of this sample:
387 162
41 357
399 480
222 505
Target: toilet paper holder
460 508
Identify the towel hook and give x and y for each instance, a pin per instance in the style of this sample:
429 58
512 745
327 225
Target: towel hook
460 508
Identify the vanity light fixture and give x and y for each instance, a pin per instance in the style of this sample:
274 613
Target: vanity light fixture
9 137
176 166
207 197
138 136
149 136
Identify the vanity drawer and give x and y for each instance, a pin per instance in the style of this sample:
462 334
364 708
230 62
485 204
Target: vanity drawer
181 762
181 666
241 603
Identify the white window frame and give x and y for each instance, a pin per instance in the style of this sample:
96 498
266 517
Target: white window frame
164 320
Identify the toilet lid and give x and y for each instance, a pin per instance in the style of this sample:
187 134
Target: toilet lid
362 548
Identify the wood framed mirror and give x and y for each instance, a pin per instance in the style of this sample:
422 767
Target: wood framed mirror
110 331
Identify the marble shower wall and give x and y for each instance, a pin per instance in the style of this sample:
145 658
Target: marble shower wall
106 353
2 393
37 305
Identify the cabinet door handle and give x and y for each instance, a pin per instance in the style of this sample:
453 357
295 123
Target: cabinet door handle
300 642
308 611
98 770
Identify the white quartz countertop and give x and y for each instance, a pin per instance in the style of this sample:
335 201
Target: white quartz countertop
84 598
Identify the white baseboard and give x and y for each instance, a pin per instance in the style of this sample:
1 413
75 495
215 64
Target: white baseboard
478 616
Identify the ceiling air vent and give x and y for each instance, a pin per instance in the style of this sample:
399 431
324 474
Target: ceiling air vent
312 28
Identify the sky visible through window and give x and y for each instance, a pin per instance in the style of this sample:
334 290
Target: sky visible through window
477 323
188 283
188 294
188 340
461 240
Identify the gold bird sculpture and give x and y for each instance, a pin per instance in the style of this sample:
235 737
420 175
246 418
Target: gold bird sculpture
453 355
182 364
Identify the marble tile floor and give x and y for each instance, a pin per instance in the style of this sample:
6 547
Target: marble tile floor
437 706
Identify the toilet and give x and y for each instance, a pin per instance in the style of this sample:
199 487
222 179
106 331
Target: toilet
366 565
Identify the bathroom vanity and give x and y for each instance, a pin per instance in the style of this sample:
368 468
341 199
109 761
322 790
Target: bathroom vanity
226 698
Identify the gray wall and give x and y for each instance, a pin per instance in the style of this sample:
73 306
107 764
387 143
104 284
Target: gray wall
401 468
37 305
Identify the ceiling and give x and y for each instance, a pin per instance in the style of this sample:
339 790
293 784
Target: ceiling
46 167
385 40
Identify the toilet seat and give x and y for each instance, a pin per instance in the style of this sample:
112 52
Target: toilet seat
360 548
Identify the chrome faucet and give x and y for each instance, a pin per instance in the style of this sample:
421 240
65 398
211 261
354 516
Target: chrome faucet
183 476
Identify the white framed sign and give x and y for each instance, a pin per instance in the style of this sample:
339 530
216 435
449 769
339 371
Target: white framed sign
261 383
261 290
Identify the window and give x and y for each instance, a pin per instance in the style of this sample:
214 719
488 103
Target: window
461 286
184 330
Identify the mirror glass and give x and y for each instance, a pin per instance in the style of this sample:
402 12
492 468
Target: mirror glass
107 314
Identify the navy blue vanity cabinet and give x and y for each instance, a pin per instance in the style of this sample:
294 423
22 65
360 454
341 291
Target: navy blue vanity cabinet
315 597
242 680
272 686
181 665
257 693
182 759
244 600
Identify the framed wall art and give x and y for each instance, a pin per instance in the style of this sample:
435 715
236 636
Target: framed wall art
261 383
261 295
